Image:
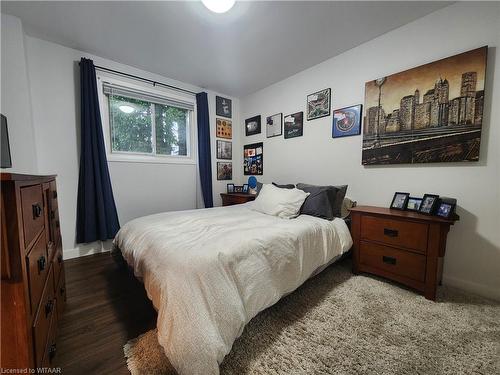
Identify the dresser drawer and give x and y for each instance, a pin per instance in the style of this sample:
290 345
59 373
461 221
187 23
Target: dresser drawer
398 233
32 209
43 318
400 262
38 266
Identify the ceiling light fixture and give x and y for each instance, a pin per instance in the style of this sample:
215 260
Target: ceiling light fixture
218 6
126 109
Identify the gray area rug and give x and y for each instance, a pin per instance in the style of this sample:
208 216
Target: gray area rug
338 323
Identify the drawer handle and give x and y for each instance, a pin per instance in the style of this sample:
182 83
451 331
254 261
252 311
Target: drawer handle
62 290
57 224
391 232
54 194
389 260
59 258
52 352
37 210
49 306
52 214
41 263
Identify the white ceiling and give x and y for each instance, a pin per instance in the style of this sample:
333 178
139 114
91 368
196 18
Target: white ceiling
252 46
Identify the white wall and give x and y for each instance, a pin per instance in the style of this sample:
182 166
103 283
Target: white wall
139 188
15 100
473 253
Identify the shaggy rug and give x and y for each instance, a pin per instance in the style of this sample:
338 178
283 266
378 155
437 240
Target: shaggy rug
338 323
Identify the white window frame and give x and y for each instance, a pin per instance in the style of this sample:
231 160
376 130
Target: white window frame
137 157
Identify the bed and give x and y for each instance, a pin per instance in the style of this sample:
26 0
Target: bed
208 272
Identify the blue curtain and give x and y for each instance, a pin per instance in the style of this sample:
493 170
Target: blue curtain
204 153
97 218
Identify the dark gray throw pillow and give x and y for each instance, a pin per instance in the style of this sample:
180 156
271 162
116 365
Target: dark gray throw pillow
284 186
336 198
319 203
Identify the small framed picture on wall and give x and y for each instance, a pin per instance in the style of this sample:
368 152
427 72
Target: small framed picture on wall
318 104
274 125
224 150
347 121
223 107
224 171
252 125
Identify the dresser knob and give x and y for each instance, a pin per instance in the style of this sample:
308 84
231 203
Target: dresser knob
390 232
41 263
389 260
52 352
62 290
59 258
49 306
37 210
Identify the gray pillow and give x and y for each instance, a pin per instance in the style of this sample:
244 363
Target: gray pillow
284 186
336 200
319 203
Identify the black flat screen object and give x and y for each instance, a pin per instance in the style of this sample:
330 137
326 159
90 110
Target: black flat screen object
6 161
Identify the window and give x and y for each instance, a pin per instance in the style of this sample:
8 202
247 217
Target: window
143 123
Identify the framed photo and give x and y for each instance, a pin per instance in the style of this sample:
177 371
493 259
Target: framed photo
224 128
400 200
253 159
223 107
429 203
224 150
318 104
413 204
230 188
252 125
245 188
294 125
238 189
347 121
224 171
446 207
274 125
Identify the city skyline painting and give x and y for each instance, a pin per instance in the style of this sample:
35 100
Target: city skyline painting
431 113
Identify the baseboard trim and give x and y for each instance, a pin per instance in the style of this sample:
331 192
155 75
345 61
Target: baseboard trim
470 286
88 249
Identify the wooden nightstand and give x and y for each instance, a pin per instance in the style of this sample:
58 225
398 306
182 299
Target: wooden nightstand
235 198
407 247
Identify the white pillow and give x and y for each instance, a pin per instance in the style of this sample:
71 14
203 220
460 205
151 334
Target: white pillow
284 203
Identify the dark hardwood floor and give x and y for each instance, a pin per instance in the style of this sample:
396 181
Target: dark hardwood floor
106 306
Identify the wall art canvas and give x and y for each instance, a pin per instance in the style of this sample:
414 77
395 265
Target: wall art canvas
252 125
223 107
253 159
318 104
294 125
224 171
224 128
347 121
432 113
224 150
274 125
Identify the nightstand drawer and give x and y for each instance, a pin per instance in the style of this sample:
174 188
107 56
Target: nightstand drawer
398 233
399 262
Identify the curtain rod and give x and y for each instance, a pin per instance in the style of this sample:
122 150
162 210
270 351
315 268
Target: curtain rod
154 83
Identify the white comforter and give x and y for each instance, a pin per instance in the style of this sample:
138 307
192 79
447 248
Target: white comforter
208 272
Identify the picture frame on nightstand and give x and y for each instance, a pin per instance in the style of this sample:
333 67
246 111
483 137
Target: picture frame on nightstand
400 200
429 204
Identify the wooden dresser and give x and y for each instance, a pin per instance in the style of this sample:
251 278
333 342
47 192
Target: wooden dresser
229 199
33 289
407 247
